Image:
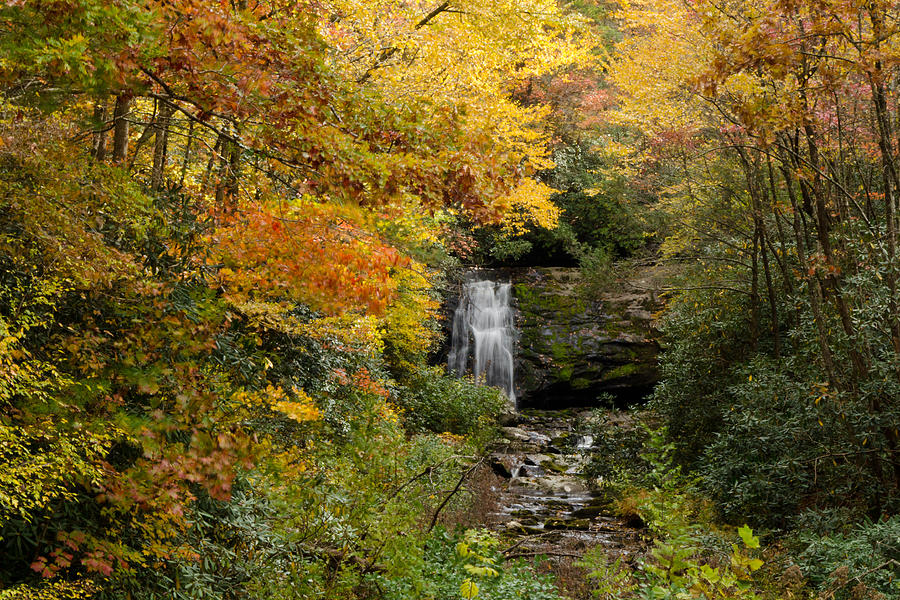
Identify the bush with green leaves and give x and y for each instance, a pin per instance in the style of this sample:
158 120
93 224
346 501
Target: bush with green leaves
764 425
787 441
679 567
469 566
705 335
618 449
434 401
854 564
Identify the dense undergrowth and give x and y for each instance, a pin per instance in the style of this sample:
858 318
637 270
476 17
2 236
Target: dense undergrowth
766 134
693 552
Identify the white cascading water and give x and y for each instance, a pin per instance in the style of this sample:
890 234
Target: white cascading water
483 323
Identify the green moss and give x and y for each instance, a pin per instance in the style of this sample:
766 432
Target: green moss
580 383
567 524
553 466
543 298
560 351
622 371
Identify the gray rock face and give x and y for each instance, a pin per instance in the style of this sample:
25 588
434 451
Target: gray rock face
573 350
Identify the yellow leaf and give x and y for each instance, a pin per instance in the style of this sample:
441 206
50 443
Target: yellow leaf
468 589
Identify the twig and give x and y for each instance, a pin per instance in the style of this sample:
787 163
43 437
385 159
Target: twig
527 538
387 53
544 553
859 577
453 492
690 288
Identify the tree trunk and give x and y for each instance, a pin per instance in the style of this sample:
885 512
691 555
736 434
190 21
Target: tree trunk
120 134
234 172
161 127
224 156
99 146
813 288
207 174
187 154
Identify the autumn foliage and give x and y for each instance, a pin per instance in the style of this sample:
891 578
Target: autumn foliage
767 133
219 226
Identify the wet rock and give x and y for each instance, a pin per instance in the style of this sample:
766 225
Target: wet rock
555 467
603 498
503 465
508 419
527 470
542 507
555 505
588 512
514 434
538 438
562 441
564 486
582 524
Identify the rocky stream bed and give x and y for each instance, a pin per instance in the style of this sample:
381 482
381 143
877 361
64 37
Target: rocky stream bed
545 506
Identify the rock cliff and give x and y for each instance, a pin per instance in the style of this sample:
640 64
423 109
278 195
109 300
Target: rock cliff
575 351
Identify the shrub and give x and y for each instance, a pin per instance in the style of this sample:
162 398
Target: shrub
436 402
469 565
617 450
853 564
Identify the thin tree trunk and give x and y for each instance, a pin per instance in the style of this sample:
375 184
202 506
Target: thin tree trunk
234 172
770 291
222 181
782 238
823 234
204 185
891 188
146 134
187 154
813 289
754 293
161 126
120 133
99 146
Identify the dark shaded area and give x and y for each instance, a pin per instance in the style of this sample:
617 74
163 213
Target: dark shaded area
625 392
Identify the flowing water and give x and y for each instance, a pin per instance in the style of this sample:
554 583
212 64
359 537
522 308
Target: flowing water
484 335
545 504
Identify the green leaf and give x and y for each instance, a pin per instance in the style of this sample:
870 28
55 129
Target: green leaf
710 574
750 540
754 564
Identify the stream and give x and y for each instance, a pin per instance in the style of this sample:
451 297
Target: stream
545 505
540 499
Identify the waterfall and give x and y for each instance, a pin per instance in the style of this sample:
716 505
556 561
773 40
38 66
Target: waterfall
483 322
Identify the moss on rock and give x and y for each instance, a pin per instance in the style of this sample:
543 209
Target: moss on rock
573 348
